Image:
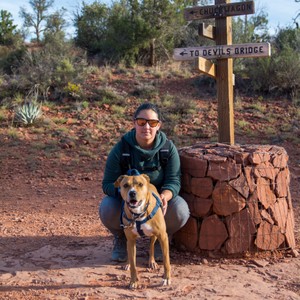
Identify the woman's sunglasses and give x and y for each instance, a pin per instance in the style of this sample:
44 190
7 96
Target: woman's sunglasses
142 122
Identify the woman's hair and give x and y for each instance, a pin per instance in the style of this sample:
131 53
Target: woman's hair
146 106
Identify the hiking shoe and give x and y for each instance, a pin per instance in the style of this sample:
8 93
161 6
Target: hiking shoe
157 252
119 252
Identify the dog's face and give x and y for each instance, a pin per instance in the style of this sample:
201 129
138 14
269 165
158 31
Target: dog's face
134 190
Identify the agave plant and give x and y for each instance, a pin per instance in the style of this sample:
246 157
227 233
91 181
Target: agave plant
28 113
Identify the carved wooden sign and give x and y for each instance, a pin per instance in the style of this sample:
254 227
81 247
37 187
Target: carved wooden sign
219 11
223 51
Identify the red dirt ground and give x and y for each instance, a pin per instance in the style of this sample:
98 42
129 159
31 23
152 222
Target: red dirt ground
53 246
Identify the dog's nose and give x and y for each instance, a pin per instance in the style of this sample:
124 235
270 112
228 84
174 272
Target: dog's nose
132 194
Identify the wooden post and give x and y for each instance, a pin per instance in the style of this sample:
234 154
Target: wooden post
223 52
225 80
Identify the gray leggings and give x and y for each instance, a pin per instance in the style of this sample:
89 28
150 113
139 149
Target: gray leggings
110 211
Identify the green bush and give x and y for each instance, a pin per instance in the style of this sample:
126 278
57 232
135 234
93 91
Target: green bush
50 67
11 59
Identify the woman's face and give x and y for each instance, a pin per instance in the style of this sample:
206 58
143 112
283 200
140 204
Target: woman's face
145 134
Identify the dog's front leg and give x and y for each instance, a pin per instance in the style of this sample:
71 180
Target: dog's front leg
131 250
164 243
152 263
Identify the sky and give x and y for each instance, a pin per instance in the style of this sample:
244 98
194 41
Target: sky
280 12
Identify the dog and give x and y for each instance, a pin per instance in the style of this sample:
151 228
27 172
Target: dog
142 215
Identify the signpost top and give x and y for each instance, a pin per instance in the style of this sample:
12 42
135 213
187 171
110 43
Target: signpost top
219 11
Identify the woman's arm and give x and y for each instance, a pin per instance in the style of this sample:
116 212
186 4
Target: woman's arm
112 171
172 183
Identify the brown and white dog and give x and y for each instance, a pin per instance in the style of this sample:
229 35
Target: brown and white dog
142 215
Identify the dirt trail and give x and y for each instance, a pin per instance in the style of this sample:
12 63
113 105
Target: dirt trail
53 246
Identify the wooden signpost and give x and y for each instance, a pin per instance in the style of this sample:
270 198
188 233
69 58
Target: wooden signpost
223 52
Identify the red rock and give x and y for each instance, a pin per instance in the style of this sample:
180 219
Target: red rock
265 170
224 171
194 166
289 234
226 199
213 233
280 160
186 182
250 179
264 193
282 183
253 208
279 212
188 235
266 216
240 184
199 207
268 236
256 176
215 157
241 230
202 187
259 157
241 158
202 206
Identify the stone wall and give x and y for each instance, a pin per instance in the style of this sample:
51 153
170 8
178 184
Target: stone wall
238 196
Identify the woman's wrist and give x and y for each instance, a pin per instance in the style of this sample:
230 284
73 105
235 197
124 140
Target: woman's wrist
167 195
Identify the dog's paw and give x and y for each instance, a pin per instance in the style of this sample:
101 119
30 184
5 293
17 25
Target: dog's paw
153 265
127 267
133 285
166 282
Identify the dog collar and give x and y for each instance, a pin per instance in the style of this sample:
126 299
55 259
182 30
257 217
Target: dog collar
137 222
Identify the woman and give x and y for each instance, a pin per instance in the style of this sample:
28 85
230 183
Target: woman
145 141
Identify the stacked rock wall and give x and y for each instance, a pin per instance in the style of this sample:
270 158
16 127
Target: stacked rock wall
238 196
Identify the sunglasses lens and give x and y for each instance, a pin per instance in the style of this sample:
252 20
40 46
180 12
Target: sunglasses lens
142 122
153 123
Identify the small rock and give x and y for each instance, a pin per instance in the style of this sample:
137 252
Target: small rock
259 263
295 253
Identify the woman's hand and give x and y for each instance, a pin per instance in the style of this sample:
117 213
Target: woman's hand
164 203
165 196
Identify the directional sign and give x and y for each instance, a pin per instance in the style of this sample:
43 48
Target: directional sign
219 11
223 51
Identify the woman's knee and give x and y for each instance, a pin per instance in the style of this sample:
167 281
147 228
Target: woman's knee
177 214
109 212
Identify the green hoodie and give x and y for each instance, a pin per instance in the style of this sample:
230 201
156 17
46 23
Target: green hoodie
167 178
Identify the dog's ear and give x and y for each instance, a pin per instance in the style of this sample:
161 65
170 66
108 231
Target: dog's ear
146 177
118 181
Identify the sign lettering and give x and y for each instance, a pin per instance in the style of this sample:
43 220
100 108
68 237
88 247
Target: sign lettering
223 51
219 11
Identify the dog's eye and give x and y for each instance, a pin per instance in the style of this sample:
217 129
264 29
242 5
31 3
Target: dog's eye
125 185
140 184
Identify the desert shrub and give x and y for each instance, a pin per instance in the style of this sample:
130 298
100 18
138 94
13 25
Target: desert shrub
278 74
286 74
73 89
27 113
11 59
51 67
145 91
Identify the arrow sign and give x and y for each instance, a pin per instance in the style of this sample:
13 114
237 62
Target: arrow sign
219 11
183 53
223 51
